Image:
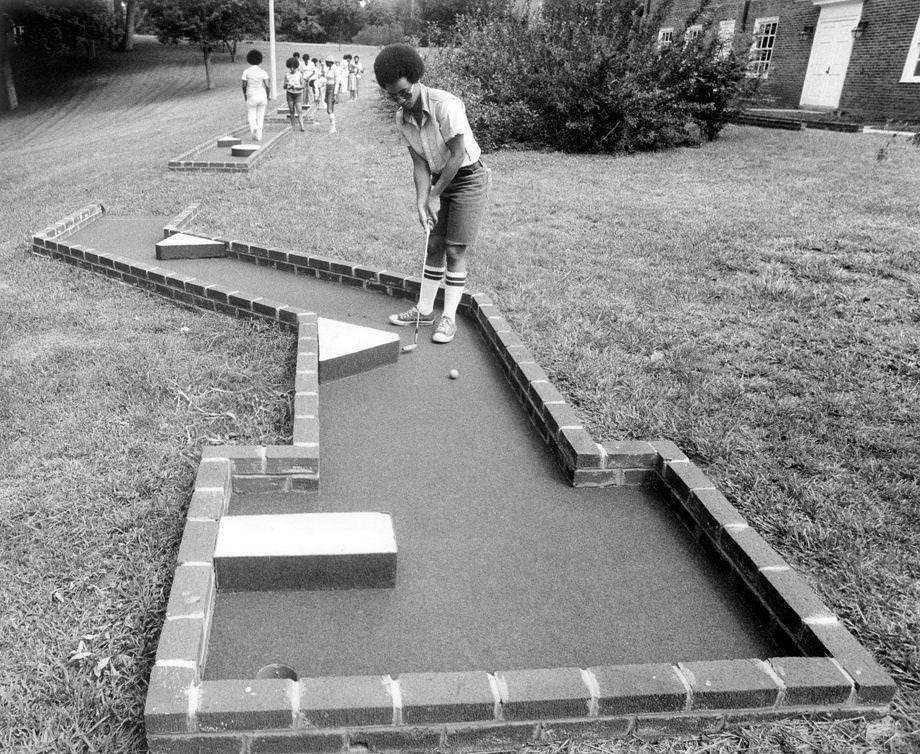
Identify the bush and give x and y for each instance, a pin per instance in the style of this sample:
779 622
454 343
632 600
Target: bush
587 77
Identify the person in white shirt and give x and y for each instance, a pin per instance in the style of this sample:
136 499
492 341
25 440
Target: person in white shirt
333 84
255 92
294 88
451 183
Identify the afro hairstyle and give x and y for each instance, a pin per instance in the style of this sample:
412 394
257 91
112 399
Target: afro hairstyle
398 61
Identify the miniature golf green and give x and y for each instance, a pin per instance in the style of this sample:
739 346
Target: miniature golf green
502 564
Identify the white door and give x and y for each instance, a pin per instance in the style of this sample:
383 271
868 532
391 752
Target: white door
830 54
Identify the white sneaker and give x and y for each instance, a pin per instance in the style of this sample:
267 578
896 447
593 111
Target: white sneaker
445 331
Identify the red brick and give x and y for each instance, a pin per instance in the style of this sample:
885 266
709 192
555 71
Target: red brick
191 591
306 434
196 744
402 739
667 451
306 404
181 639
239 300
791 598
543 392
305 482
266 306
489 736
306 381
296 742
812 681
713 512
197 544
748 552
166 709
291 459
212 474
727 684
873 684
446 697
261 483
653 727
342 701
536 694
630 454
558 416
597 478
639 477
629 689
590 728
579 450
683 477
246 704
244 459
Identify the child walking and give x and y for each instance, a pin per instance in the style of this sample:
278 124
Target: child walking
333 84
294 86
451 183
255 92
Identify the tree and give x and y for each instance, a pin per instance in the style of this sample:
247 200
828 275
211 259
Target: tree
209 23
8 100
45 28
131 7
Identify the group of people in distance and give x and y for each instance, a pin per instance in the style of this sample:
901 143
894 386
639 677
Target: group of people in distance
309 84
452 184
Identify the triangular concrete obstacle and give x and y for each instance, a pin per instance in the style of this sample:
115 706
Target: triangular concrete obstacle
228 141
346 349
243 150
185 246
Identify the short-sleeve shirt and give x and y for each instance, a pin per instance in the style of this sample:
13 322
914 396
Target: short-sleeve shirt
254 76
443 117
294 81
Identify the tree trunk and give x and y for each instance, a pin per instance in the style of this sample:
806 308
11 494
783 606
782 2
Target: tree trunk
233 51
8 100
206 48
127 39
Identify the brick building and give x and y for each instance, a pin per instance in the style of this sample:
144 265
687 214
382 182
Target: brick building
860 58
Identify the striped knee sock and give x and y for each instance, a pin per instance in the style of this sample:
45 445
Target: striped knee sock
431 281
454 283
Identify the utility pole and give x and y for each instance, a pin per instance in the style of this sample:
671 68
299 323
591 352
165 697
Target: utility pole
271 47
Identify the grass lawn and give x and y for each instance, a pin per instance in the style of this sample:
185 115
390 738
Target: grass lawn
756 300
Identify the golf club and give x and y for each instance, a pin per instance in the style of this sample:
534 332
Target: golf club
409 347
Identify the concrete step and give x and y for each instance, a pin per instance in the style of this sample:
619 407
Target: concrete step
305 551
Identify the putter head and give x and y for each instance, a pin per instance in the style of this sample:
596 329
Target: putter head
409 347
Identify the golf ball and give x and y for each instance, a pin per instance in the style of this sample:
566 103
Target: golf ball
453 374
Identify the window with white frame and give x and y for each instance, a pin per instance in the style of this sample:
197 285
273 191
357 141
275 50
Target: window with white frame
912 65
665 36
762 49
726 36
692 33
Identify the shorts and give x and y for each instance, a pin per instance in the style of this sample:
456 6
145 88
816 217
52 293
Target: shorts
294 99
463 205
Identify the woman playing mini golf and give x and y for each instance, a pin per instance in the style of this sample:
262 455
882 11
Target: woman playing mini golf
451 183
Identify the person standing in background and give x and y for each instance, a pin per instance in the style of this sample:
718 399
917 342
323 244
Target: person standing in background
255 93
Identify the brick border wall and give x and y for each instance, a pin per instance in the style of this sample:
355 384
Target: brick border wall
837 677
585 462
186 161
